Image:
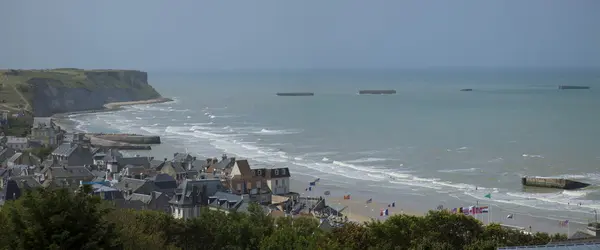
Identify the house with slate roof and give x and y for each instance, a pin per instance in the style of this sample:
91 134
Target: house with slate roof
160 183
5 154
156 201
46 132
191 195
17 143
73 154
220 167
226 202
106 192
257 183
66 176
175 170
23 159
15 186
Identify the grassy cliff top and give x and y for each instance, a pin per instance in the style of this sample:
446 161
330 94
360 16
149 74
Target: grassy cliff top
16 85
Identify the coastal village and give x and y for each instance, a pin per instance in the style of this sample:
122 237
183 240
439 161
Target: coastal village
180 186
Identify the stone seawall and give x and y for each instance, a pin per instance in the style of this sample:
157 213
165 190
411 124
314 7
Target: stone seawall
128 138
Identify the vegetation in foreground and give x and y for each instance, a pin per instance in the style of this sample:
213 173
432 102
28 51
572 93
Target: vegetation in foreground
59 219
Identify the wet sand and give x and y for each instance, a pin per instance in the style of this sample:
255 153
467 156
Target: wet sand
419 205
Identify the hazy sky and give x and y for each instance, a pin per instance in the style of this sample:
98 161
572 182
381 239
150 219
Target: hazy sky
221 34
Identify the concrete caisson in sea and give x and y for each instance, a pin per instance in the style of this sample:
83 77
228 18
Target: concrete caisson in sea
295 94
377 92
548 182
572 87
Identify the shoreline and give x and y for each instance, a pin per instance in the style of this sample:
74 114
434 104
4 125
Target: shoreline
406 202
113 106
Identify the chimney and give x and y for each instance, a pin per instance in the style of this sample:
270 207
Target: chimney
189 165
224 157
174 154
208 161
165 160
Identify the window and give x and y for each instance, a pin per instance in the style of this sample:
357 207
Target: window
239 187
276 182
283 182
276 171
258 184
259 172
283 171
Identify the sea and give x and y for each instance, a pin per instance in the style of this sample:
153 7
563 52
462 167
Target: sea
429 144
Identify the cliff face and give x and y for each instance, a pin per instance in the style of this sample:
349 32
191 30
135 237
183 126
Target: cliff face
72 90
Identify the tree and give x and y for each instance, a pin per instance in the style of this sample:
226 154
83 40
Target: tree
352 236
145 229
299 233
57 220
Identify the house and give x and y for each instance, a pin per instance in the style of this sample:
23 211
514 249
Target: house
244 180
66 176
225 202
98 159
154 201
278 180
164 183
73 154
136 172
175 170
23 159
220 167
191 195
129 186
106 192
15 186
5 154
46 132
17 143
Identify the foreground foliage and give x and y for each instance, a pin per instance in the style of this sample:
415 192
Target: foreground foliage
63 220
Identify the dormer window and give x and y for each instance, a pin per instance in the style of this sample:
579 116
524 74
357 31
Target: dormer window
259 172
276 171
283 171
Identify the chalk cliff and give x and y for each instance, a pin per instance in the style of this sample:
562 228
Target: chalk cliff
70 90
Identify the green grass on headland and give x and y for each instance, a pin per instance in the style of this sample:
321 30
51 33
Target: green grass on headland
17 86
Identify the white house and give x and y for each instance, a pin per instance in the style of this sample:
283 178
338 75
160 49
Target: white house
278 180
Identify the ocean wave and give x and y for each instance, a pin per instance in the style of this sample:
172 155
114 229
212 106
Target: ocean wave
277 132
367 160
532 156
460 170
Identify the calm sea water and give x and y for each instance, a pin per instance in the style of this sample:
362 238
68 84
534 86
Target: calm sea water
430 138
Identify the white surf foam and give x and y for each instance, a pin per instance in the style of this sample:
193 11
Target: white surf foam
460 170
367 160
276 132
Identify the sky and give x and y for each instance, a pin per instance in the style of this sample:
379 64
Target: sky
301 34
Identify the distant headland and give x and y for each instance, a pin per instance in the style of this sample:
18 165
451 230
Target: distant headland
46 92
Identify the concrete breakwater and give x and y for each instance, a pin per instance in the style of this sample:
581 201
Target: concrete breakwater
295 94
573 87
127 138
552 183
377 92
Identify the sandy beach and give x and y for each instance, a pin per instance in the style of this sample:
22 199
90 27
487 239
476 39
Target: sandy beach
116 105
